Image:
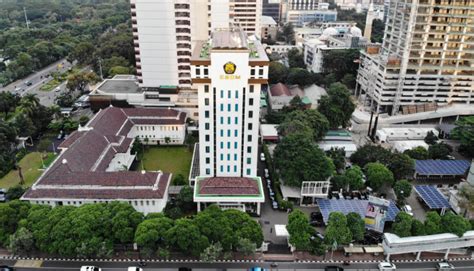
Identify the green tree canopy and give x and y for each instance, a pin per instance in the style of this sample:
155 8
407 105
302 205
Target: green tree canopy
417 228
309 120
299 76
337 229
432 223
300 230
354 177
431 138
337 105
299 159
402 224
439 150
378 175
402 190
356 225
338 156
465 133
277 72
151 233
418 153
186 237
370 153
295 59
401 165
453 223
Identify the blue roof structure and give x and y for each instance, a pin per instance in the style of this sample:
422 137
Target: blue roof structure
344 206
442 167
432 197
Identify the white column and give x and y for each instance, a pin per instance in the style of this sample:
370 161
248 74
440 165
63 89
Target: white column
258 208
198 207
446 254
418 254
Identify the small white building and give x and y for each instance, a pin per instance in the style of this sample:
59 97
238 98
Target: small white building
404 145
392 134
280 95
269 27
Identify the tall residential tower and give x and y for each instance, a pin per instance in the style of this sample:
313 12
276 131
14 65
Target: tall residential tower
427 56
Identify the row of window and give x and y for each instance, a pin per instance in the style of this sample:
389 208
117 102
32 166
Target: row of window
152 128
208 149
131 202
208 170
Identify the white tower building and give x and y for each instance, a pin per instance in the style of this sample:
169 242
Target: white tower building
228 71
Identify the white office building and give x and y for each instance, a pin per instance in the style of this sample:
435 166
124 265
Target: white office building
228 71
164 33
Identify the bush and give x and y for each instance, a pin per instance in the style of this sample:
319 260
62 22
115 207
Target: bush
15 192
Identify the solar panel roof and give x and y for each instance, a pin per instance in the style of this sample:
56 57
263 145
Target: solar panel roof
344 206
432 197
442 167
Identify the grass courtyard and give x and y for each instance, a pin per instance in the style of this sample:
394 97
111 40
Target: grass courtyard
173 159
30 165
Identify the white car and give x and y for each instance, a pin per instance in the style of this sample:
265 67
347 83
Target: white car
267 175
134 268
387 266
90 268
262 157
407 209
444 266
57 89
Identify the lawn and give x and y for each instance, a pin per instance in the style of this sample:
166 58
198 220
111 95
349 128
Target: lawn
176 160
50 85
31 165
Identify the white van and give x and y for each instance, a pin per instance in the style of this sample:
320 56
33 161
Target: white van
387 266
90 268
444 266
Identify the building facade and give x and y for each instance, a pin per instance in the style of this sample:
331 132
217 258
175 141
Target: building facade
427 56
165 32
228 71
268 28
272 8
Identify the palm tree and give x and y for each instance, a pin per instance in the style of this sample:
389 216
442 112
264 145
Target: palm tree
29 103
55 111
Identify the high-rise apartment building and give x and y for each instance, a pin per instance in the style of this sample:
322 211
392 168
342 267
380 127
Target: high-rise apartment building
427 56
228 71
164 32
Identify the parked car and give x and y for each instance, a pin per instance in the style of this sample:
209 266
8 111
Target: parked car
258 269
267 175
134 268
262 157
28 83
387 266
407 209
333 268
6 268
444 266
60 135
57 89
3 196
90 268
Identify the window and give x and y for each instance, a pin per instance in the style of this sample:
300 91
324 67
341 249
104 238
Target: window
236 133
206 88
206 101
228 107
250 126
260 71
236 107
222 145
206 113
222 94
251 89
206 71
208 138
228 133
229 94
236 145
228 168
228 120
222 107
222 133
251 101
252 72
249 161
249 138
250 114
222 168
248 171
222 157
228 145
208 171
228 157
249 149
236 120
208 160
235 168
208 149
235 156
198 71
236 94
207 126
222 120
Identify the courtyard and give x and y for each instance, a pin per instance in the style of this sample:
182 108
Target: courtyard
172 159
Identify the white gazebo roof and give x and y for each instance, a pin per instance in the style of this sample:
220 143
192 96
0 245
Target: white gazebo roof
280 231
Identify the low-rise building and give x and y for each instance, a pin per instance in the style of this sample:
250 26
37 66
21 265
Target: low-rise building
280 95
269 27
395 134
93 163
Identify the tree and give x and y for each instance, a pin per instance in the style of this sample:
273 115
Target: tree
24 125
453 223
402 190
439 150
417 228
185 199
118 70
338 158
125 220
82 53
338 182
185 236
246 246
431 138
28 104
295 59
244 226
179 180
64 99
299 160
21 242
464 132
15 192
83 120
378 175
299 76
337 230
402 224
212 253
418 153
432 223
354 177
289 33
340 62
401 165
8 103
277 72
308 120
349 81
356 225
79 81
337 106
370 153
151 233
299 229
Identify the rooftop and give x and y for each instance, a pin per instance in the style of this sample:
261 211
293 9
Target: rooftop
82 166
126 85
229 189
280 89
442 167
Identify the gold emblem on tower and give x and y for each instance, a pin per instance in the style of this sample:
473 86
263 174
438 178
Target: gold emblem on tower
229 68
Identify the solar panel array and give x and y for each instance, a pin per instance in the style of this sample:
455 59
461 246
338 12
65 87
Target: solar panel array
344 206
432 197
442 167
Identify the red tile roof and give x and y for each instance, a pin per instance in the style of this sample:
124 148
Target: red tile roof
88 153
229 186
280 90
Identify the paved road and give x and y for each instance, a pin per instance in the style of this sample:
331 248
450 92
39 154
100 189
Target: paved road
282 266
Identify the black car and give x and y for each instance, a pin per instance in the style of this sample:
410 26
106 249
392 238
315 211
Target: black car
6 268
333 268
316 216
28 83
